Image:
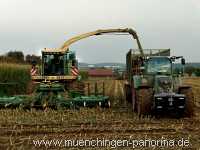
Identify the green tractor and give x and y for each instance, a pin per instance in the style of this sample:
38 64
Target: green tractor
153 86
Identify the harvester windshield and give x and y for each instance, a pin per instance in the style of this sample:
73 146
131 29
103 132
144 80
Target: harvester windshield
159 65
53 64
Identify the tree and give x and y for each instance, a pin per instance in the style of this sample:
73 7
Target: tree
189 70
31 58
197 72
16 55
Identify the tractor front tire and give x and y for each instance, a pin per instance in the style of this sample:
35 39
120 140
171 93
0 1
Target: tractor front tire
144 100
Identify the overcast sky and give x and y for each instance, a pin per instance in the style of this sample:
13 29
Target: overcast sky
31 25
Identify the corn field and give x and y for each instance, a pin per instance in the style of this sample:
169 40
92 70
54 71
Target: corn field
14 78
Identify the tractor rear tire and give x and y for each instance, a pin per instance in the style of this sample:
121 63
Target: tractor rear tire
144 101
189 104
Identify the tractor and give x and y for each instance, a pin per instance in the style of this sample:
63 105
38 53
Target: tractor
153 87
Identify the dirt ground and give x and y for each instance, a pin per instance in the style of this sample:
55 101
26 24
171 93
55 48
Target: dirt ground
23 129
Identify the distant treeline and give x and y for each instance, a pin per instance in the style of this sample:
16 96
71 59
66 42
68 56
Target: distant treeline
19 57
192 71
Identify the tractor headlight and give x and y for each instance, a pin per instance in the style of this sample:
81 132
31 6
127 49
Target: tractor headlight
159 101
159 98
144 81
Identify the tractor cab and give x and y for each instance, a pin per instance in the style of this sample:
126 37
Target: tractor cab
160 71
159 65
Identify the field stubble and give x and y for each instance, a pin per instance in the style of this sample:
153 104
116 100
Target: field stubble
18 128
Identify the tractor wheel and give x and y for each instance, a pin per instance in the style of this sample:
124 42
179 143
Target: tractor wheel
144 101
189 104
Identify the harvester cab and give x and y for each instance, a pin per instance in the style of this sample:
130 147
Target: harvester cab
154 86
57 66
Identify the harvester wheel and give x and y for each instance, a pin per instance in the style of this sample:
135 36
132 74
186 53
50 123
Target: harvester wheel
84 104
144 101
21 107
45 106
189 104
109 104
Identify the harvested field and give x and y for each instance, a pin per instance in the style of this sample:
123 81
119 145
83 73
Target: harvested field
18 128
195 83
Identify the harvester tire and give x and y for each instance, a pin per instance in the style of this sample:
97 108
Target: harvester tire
108 104
144 101
189 104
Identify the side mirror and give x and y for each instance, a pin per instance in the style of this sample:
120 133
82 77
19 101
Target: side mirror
183 61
